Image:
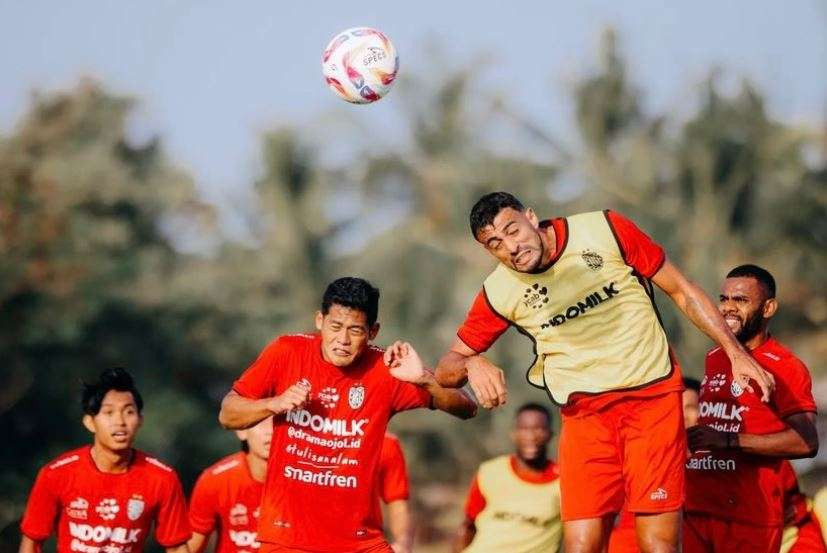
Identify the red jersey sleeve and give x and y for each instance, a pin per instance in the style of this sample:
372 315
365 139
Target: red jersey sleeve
639 251
475 502
259 380
793 389
482 325
409 396
171 525
203 503
42 508
393 475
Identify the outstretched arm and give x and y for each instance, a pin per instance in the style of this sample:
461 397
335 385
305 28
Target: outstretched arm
461 364
699 308
406 365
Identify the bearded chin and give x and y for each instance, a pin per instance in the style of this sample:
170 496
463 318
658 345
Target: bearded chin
751 328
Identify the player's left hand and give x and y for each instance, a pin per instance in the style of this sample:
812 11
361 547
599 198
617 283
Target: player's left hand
405 364
745 369
705 438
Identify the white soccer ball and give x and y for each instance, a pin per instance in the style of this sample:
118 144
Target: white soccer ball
360 65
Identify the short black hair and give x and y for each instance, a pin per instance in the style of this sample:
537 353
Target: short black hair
692 384
111 379
353 292
760 274
487 207
532 406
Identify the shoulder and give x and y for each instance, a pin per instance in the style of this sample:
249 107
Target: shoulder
777 353
65 462
298 341
390 439
224 466
716 356
154 468
495 463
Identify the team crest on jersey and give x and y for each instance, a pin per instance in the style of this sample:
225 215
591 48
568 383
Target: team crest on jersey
356 396
736 389
107 508
594 260
78 508
238 514
329 397
135 507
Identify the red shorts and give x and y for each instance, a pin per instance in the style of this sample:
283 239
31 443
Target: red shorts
708 534
808 538
632 452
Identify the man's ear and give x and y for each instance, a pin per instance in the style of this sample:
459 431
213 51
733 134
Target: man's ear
319 320
770 307
374 331
89 423
532 217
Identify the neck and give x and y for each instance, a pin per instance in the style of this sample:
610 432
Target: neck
107 460
534 465
756 341
257 466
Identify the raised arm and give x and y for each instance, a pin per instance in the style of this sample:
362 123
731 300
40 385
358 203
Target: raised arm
238 412
461 364
699 308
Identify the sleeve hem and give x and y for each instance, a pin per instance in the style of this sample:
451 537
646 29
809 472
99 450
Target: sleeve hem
396 497
35 537
796 410
658 267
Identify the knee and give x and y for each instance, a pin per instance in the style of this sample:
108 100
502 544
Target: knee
582 544
657 545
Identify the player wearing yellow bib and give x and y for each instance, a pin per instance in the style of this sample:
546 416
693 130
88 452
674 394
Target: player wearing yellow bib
581 288
514 501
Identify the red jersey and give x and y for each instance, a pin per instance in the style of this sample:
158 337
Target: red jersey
392 478
796 510
99 512
321 475
729 484
226 499
483 325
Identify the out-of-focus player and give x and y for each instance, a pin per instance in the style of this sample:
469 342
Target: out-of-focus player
332 395
514 501
624 537
581 288
735 492
227 495
105 497
802 529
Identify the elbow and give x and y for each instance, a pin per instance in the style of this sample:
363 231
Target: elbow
812 448
223 419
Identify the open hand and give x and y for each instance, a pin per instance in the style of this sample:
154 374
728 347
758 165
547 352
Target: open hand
405 364
745 369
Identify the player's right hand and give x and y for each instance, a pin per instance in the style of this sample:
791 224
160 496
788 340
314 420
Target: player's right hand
487 381
294 397
745 368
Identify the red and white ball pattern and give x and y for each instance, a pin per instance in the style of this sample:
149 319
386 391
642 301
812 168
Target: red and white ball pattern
360 65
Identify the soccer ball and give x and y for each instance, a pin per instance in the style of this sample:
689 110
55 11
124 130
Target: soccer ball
360 65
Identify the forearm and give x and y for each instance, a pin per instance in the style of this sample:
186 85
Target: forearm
400 524
703 313
238 412
183 548
451 371
465 535
786 444
197 542
451 400
28 545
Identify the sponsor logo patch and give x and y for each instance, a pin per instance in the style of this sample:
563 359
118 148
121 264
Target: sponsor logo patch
107 508
659 495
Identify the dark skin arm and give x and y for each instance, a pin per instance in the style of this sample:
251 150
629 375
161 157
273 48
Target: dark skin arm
799 440
464 536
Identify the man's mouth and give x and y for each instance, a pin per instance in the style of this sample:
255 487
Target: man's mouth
120 435
341 352
521 257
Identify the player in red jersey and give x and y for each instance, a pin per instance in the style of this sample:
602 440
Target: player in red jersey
581 288
332 395
802 530
734 489
624 536
105 498
227 495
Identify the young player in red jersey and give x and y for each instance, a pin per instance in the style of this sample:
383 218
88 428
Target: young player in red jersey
734 488
624 536
581 288
105 498
802 530
227 496
523 519
332 395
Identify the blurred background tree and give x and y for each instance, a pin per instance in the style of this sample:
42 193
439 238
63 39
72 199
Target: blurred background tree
109 257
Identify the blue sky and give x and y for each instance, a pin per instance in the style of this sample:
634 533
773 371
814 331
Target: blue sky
212 76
